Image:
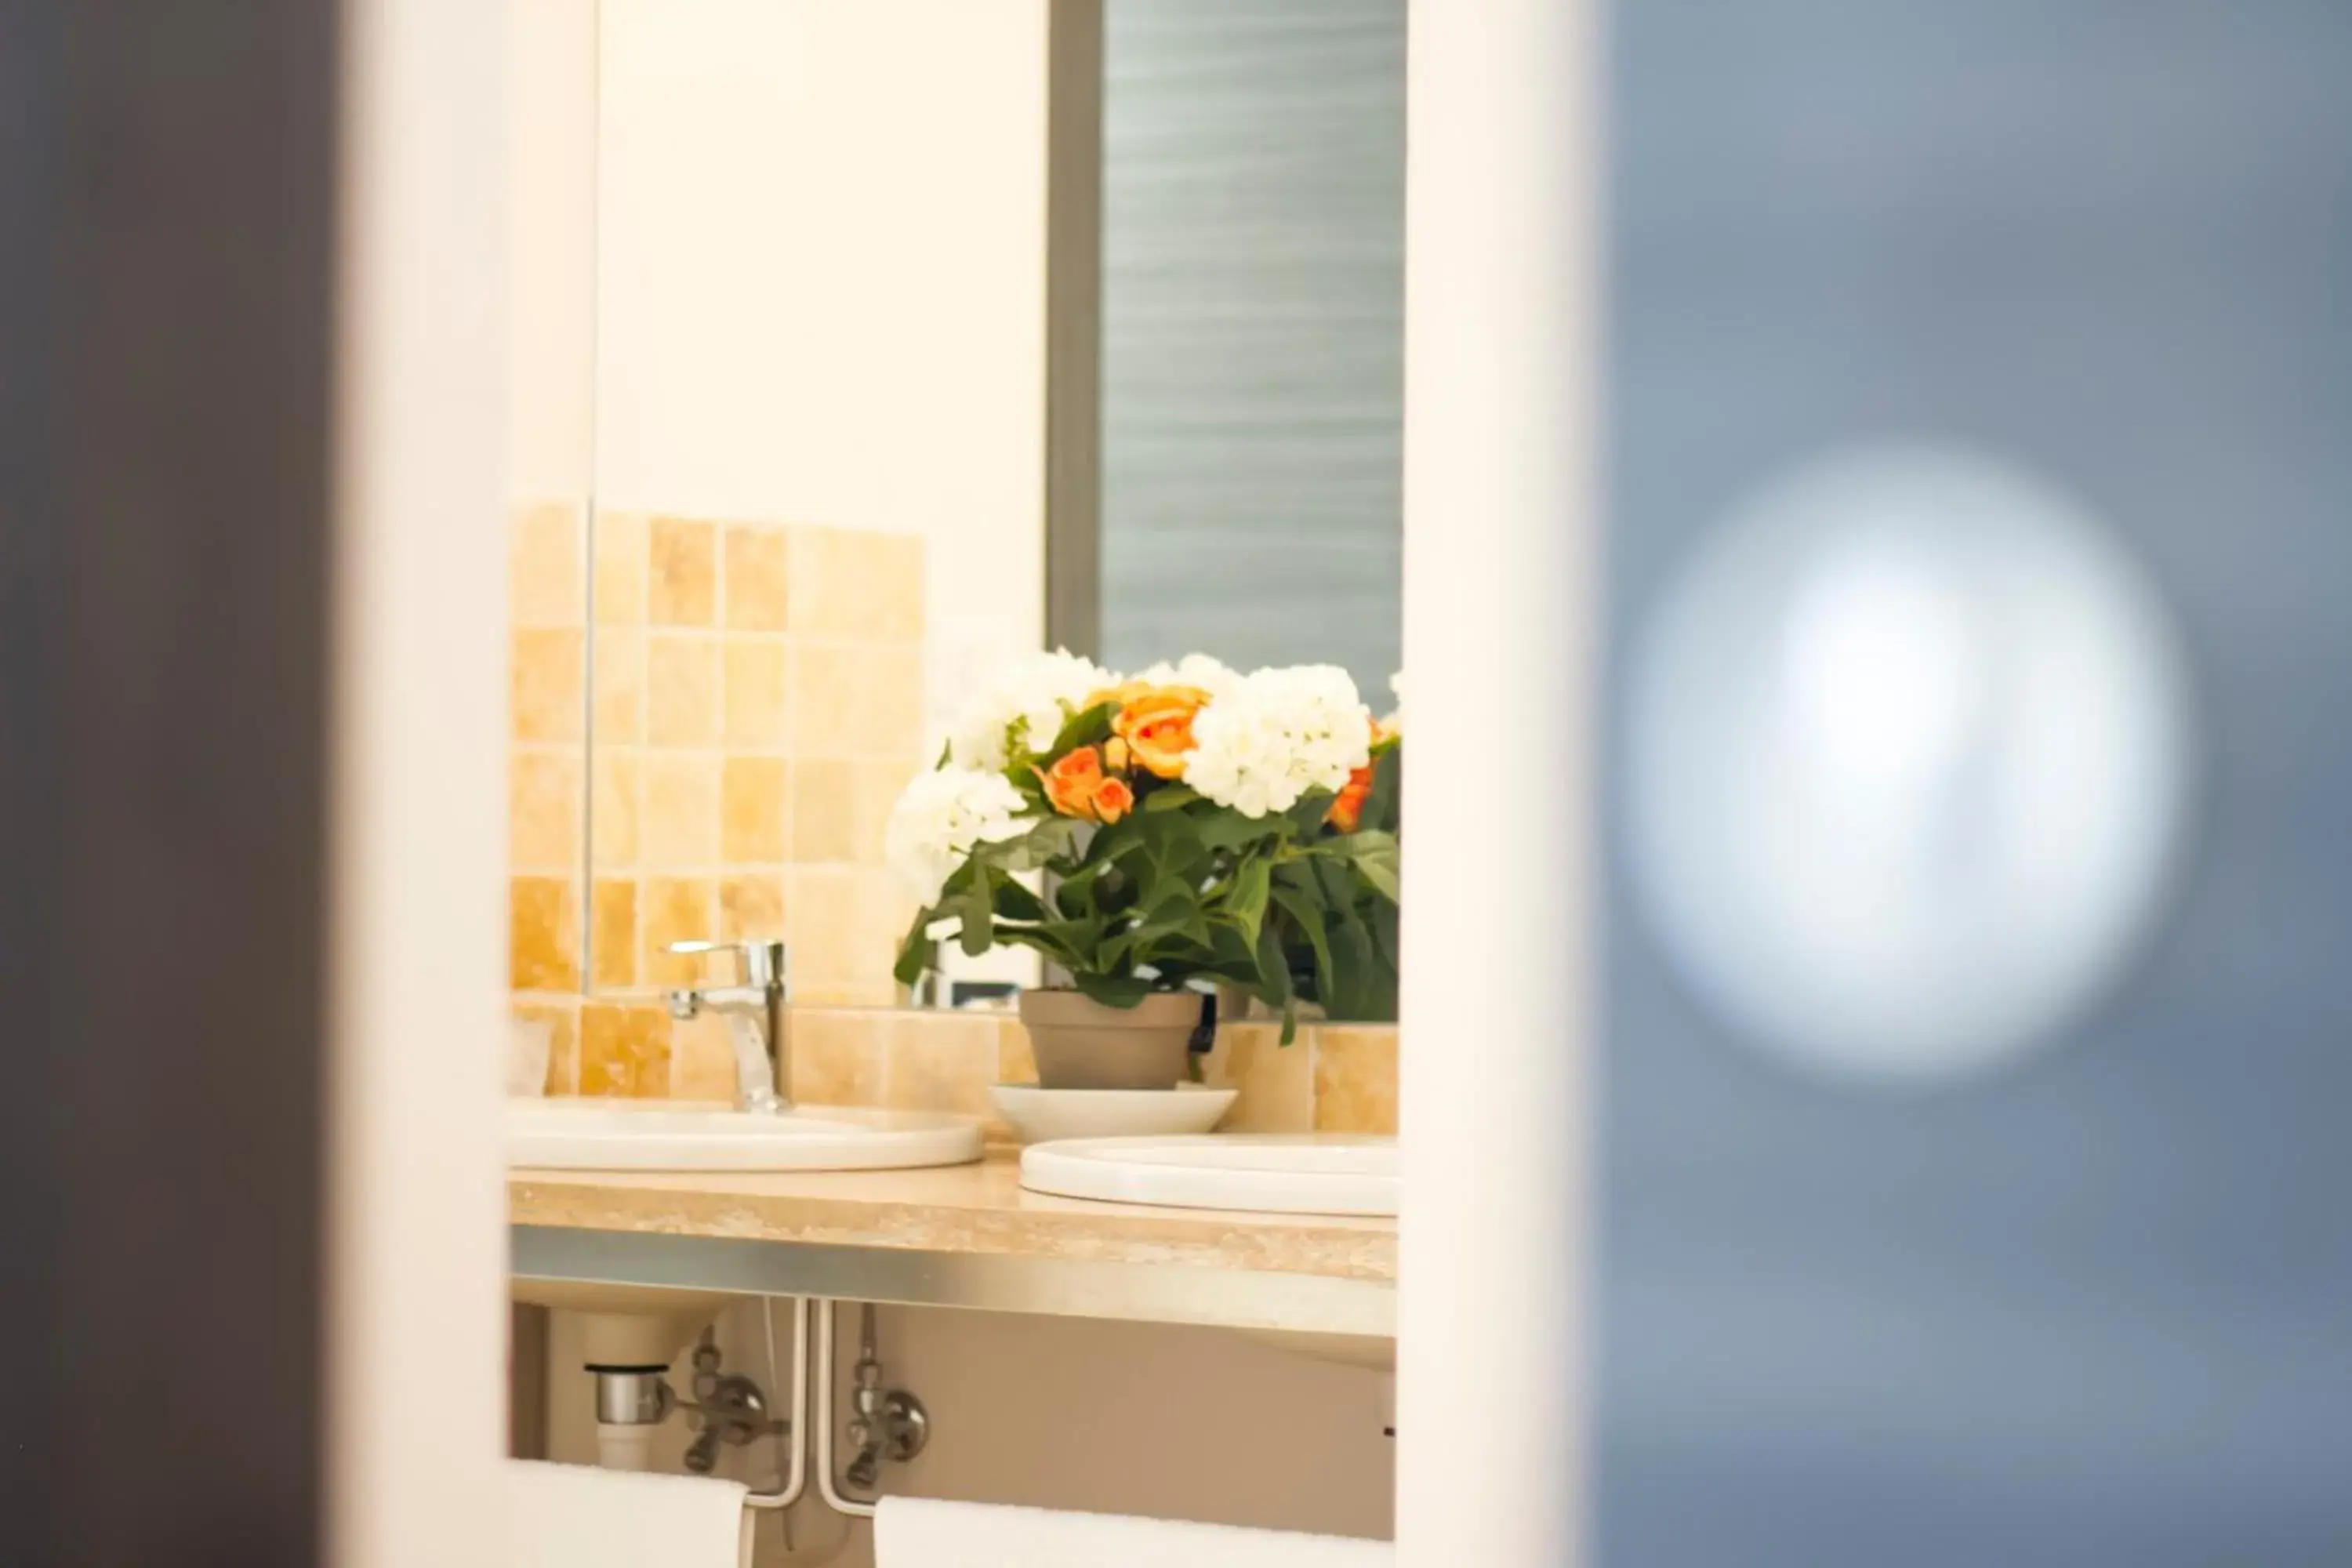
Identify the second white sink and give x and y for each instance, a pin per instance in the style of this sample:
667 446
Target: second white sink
1271 1173
598 1135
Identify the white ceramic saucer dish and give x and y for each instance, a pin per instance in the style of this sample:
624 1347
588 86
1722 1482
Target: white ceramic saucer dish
1041 1115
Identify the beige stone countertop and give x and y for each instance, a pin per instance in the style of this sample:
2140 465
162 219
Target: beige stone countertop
979 1209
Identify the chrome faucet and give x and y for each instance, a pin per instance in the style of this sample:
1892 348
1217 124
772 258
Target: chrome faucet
754 1011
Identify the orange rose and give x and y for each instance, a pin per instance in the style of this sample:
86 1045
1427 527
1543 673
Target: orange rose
1346 812
1156 723
1072 782
1119 694
1113 800
1078 787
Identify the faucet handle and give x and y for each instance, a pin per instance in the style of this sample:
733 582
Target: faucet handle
762 962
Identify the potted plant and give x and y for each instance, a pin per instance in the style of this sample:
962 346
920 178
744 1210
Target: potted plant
1152 837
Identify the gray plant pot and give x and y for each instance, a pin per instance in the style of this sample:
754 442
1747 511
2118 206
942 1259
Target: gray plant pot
1081 1044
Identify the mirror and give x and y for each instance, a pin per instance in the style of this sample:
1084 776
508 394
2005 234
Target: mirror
1909 763
792 453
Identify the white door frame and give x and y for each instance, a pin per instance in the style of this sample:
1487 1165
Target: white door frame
1501 599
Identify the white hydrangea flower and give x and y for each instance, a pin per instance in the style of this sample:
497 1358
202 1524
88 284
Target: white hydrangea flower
1199 669
940 816
1394 723
1023 708
1277 735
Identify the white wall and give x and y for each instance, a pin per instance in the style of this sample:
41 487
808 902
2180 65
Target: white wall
552 249
822 295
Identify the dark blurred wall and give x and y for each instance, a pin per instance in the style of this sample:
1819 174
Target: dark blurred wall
2098 1309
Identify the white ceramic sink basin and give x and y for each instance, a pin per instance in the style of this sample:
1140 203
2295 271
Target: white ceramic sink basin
1304 1174
596 1135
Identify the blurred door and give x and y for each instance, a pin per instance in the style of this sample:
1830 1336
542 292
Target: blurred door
2097 1307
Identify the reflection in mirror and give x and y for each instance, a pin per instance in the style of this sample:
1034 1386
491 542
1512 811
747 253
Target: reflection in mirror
1909 763
782 404
818 471
551 252
1252 321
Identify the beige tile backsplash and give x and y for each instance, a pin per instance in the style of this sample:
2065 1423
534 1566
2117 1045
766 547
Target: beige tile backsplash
756 703
727 743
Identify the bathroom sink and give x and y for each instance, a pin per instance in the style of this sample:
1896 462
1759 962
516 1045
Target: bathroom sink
598 1135
1303 1174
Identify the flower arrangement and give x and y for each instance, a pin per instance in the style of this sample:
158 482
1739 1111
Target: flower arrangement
1191 823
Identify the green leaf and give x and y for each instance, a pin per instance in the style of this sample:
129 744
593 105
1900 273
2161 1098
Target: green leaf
1089 728
1354 966
1015 902
1231 829
1113 990
1050 938
1385 807
1246 904
1055 838
977 907
1273 970
1374 856
1170 797
1306 815
916 950
1309 917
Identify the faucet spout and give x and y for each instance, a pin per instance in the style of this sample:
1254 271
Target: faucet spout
756 1024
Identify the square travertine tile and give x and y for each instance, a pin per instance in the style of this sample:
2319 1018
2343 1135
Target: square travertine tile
624 1049
677 819
757 578
681 691
1276 1081
543 933
562 1016
624 548
856 700
618 684
1016 1060
546 675
543 807
820 908
612 934
752 908
701 1058
753 804
825 810
613 808
837 1055
1355 1078
843 924
841 806
852 584
752 683
671 910
940 1060
877 783
884 909
682 589
545 584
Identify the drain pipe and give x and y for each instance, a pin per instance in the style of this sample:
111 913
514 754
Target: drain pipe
631 1404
